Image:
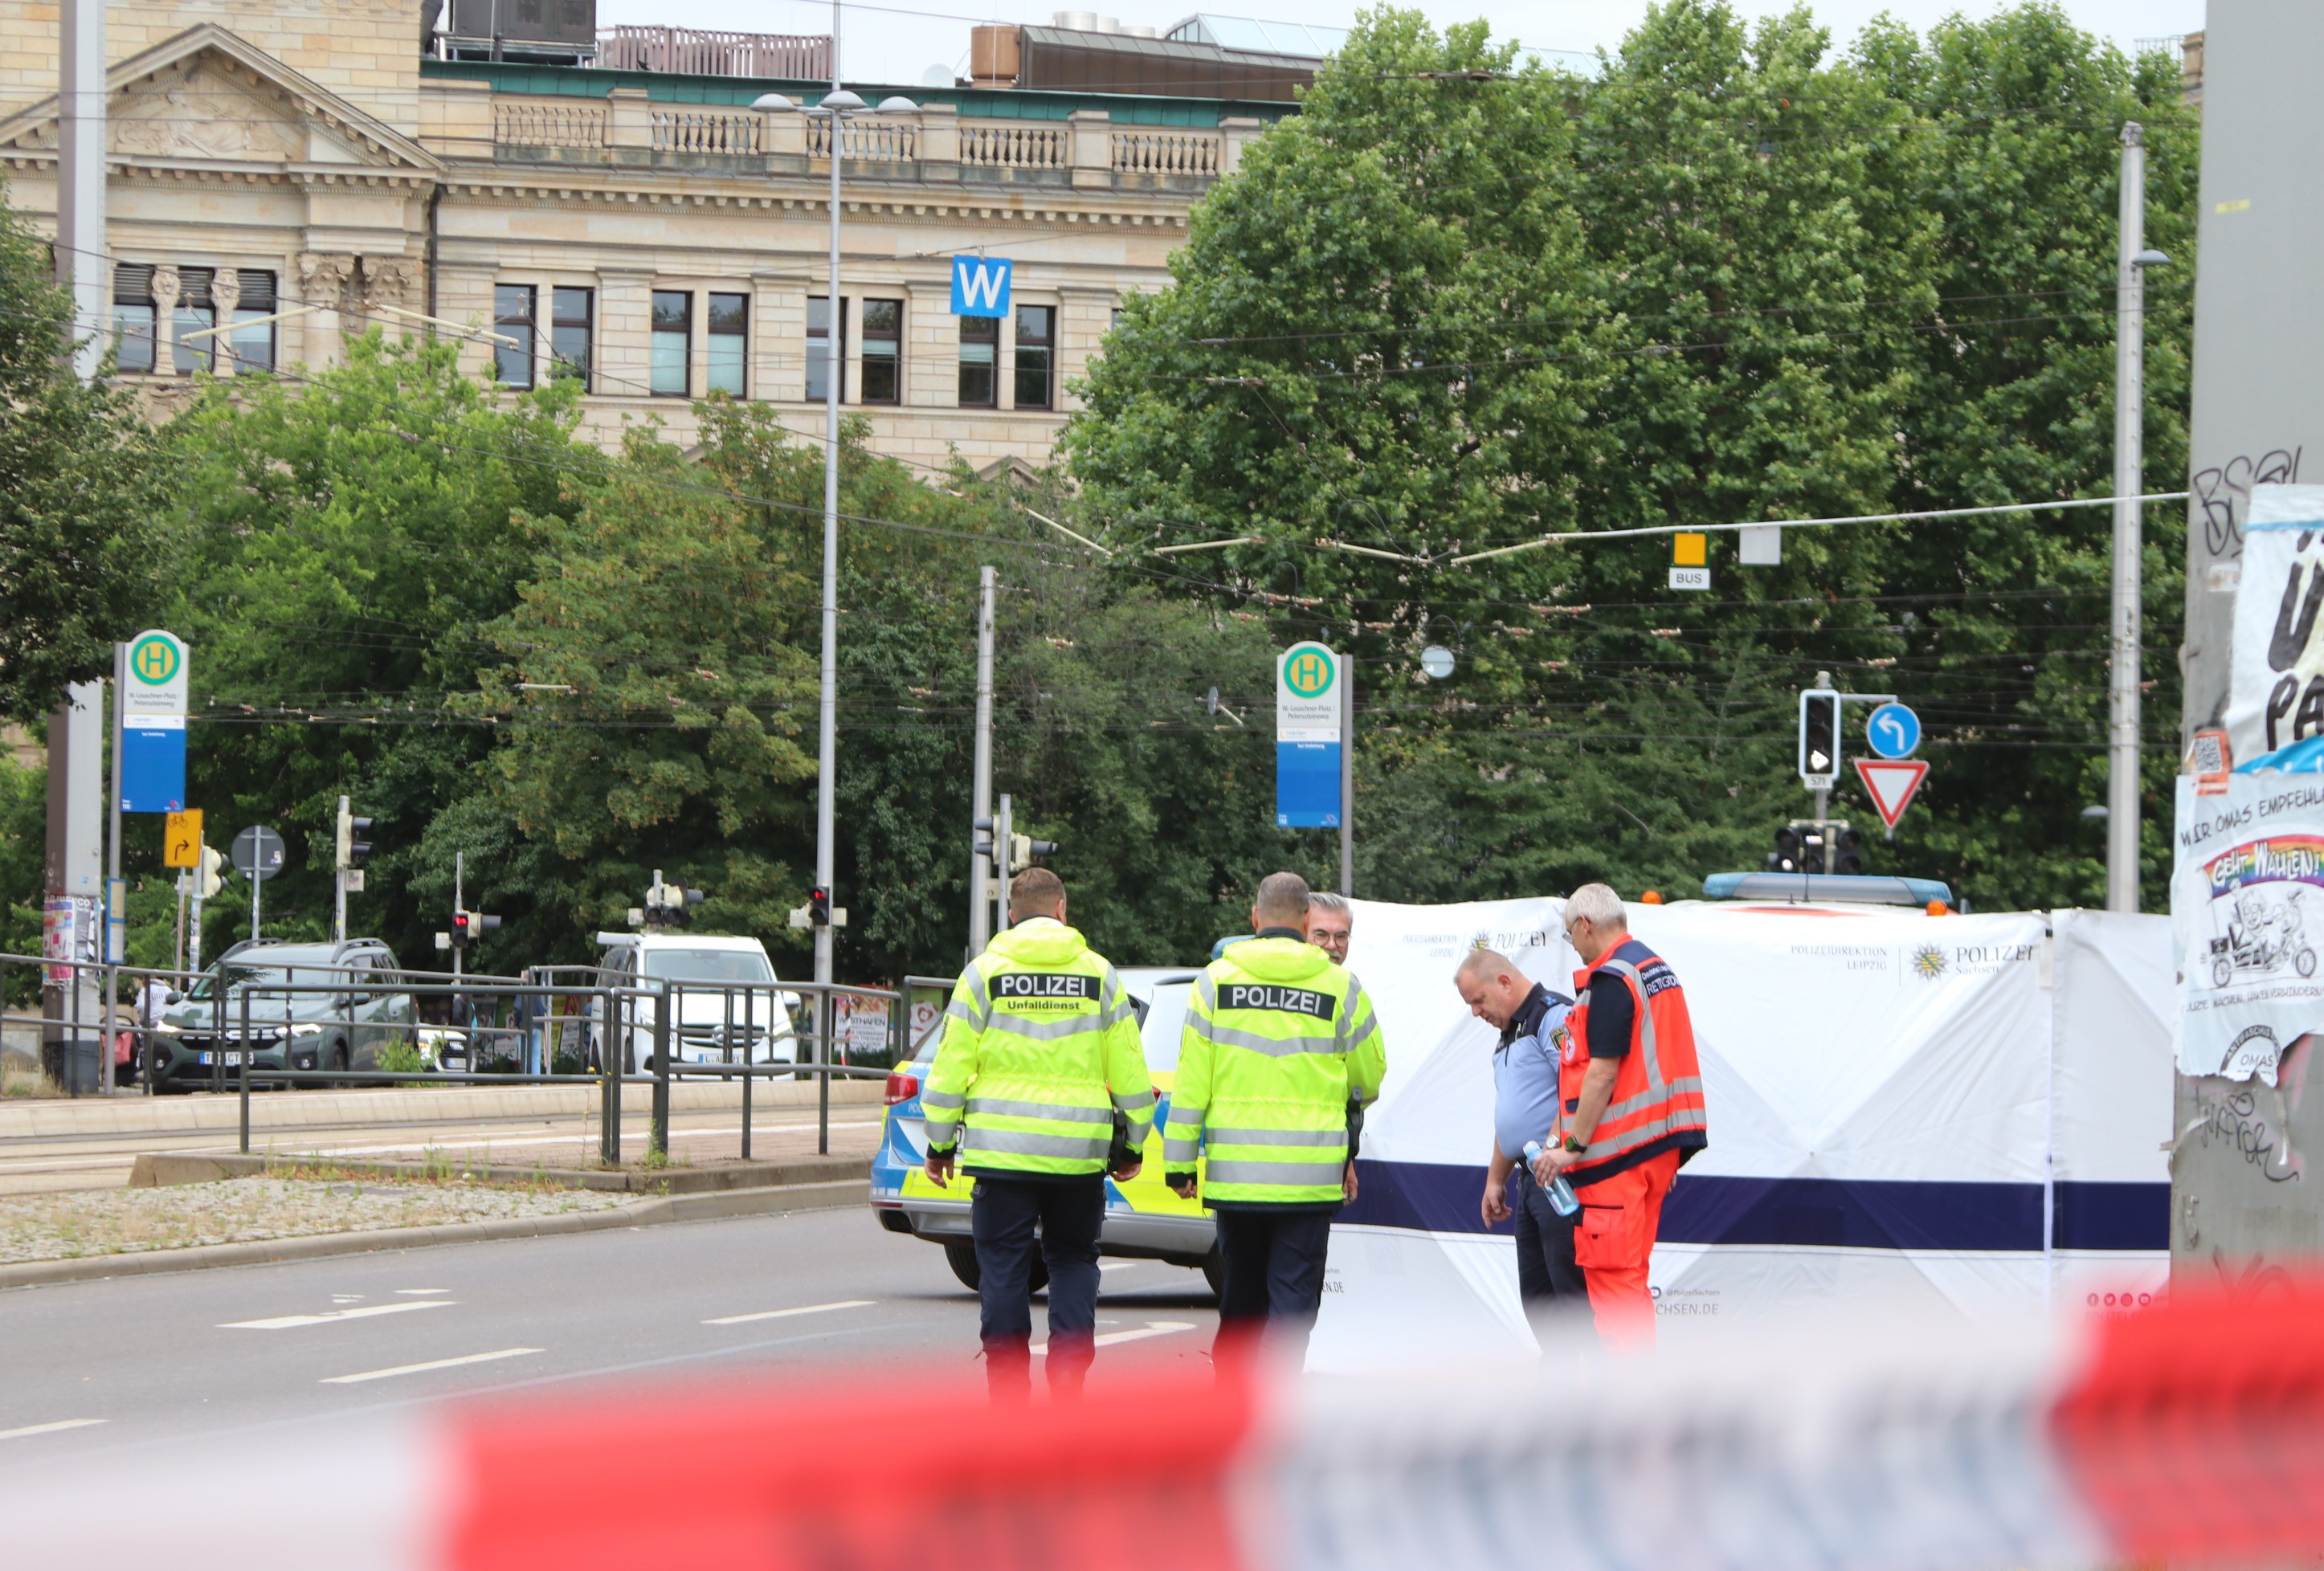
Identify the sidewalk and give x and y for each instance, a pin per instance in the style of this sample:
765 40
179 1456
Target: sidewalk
134 1113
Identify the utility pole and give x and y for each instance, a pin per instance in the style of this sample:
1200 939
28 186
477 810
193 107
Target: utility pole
80 179
1347 775
2133 259
828 711
117 916
339 876
980 895
460 902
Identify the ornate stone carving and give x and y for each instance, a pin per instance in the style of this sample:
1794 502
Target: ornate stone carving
166 288
203 114
389 281
324 276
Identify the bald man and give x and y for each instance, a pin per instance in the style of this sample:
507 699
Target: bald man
1531 1020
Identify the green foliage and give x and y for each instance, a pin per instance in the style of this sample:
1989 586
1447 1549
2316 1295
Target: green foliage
1728 278
84 495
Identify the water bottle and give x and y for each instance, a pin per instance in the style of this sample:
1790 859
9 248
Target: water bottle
1562 1198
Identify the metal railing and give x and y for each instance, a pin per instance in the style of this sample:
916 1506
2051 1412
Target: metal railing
786 56
551 1026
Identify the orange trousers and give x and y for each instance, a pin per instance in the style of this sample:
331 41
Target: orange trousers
1614 1243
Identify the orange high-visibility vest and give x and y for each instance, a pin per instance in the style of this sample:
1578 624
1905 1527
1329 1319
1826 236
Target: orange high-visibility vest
1657 1101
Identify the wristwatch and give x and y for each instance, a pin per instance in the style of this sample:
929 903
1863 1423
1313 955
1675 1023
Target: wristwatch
1573 1145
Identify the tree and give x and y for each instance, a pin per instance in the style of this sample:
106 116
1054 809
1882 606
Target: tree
1728 278
84 498
351 530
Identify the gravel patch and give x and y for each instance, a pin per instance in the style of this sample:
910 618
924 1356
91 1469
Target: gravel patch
71 1226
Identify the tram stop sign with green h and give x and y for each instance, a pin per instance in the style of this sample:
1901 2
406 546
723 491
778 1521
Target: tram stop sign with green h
153 702
1307 740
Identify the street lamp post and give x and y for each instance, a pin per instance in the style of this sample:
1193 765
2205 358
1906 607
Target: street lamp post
837 105
2133 260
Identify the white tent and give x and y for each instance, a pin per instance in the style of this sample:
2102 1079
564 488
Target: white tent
1965 1111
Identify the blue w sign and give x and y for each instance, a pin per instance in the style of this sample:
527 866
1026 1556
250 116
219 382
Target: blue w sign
980 286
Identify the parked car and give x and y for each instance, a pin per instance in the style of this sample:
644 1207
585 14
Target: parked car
1143 1220
201 1033
729 1001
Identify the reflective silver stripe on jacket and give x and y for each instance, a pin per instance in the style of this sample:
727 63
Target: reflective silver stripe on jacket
1304 1175
1017 1143
1178 1152
1061 1112
1136 1102
1657 1088
1278 1136
1041 1030
949 1102
1629 1105
1273 1047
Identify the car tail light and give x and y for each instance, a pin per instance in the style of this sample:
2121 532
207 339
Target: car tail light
902 1087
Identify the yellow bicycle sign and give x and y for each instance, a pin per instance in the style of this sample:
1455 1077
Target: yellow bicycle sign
153 660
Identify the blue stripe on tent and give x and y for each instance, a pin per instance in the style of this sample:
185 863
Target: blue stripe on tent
1857 1214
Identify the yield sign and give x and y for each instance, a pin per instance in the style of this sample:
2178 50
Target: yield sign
1890 783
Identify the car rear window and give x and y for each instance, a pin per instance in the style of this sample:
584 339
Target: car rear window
1166 1018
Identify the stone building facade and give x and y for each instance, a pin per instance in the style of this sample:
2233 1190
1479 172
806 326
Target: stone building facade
289 173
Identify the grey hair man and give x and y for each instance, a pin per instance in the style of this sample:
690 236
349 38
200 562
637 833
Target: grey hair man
1531 1020
1329 924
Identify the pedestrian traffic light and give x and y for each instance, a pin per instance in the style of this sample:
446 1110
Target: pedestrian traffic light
210 876
818 907
467 925
351 851
1819 737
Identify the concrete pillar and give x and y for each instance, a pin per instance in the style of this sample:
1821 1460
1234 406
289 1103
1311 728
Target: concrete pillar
1091 130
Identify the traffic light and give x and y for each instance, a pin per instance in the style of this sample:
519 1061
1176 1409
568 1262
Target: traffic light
1819 737
980 844
351 850
466 925
1024 851
818 907
665 903
1790 852
1846 845
210 878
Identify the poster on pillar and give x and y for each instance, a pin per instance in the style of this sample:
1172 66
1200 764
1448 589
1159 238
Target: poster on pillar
155 691
2247 879
2276 696
1307 677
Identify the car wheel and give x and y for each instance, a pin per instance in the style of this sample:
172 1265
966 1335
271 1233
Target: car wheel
961 1255
1214 1271
338 1062
962 1258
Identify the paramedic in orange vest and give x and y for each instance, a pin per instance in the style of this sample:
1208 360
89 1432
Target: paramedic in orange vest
1632 1094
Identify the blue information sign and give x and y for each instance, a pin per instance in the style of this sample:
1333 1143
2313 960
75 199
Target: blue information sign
1306 784
153 764
980 286
1892 731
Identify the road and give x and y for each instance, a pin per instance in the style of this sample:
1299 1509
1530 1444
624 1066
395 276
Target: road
124 1373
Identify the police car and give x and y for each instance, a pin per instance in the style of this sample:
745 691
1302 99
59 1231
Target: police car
1143 1220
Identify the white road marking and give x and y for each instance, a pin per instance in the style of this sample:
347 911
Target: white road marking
1151 1328
285 1322
787 1314
47 1428
423 1291
431 1364
513 1143
1121 1265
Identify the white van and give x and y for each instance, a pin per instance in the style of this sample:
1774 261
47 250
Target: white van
729 1002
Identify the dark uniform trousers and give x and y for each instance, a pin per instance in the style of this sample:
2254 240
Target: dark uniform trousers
1273 1261
1548 1279
1003 1217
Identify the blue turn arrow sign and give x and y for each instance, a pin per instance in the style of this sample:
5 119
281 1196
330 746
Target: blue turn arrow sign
1892 731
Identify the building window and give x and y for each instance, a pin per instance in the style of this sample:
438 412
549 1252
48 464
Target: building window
1037 331
513 320
979 353
132 318
673 343
883 352
196 309
569 316
730 343
253 336
818 349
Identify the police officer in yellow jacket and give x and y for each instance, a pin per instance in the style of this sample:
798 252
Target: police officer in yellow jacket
1281 1056
1039 1071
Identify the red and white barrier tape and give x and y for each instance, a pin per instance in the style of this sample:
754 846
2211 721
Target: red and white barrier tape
2191 1432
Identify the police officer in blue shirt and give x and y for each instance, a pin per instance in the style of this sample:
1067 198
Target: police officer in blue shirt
1532 1023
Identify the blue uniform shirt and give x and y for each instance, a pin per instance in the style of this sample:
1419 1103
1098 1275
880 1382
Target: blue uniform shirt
1524 1073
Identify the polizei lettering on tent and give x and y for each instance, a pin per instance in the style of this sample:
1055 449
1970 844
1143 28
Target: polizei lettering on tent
1044 984
1289 1000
